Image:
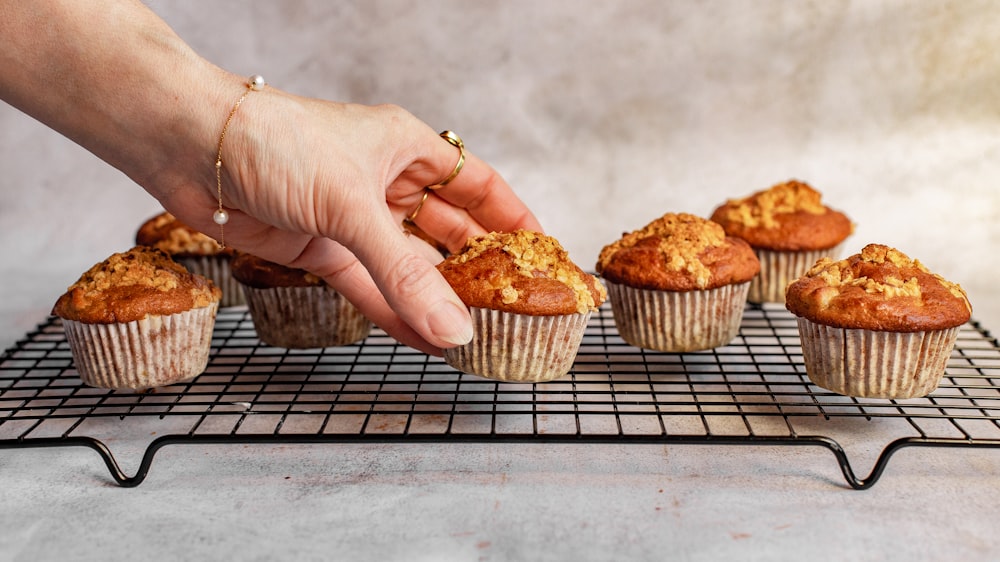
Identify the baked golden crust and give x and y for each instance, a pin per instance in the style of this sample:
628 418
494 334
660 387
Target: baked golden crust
166 233
878 289
678 252
522 272
788 216
132 285
259 273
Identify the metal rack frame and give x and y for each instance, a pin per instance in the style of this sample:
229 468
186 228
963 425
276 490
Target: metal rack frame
753 391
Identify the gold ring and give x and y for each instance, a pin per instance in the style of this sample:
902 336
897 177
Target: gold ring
456 141
420 205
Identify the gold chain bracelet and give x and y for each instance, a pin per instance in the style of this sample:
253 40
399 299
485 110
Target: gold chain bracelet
221 216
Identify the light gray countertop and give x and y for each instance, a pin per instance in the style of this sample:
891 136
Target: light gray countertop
514 502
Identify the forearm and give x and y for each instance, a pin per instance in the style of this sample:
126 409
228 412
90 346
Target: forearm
113 77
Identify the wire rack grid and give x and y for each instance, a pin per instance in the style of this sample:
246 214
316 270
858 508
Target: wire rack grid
754 391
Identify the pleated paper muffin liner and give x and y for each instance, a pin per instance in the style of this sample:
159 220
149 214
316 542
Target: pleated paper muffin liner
870 364
778 268
148 353
217 269
677 321
519 347
305 317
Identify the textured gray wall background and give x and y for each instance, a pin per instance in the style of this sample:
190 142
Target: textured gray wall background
603 115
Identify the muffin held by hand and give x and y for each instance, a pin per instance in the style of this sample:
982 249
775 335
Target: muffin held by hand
197 252
789 228
678 284
295 309
877 324
139 320
529 303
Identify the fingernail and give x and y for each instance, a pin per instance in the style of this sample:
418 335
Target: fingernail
451 323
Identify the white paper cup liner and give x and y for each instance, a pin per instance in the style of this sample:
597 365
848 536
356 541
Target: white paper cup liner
870 364
155 351
779 268
218 270
519 347
305 317
677 321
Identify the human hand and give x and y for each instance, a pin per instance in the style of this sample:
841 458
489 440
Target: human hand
310 184
325 187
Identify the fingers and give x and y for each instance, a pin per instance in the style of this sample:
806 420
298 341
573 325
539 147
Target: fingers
424 248
473 202
413 287
449 224
481 191
480 199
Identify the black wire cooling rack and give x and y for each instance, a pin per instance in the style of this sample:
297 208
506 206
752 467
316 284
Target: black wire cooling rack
753 391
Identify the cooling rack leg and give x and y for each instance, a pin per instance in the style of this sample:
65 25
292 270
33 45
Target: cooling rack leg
833 446
889 450
801 440
898 444
845 464
109 459
116 472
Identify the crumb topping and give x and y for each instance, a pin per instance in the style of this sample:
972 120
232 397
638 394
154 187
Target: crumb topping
879 288
761 208
534 255
141 266
839 274
683 237
181 239
137 266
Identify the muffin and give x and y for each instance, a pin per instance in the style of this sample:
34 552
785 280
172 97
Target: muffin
139 320
529 304
198 252
295 309
789 228
678 284
877 324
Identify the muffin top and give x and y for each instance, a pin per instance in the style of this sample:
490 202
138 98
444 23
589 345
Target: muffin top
678 252
259 273
132 285
879 289
522 272
789 216
166 233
